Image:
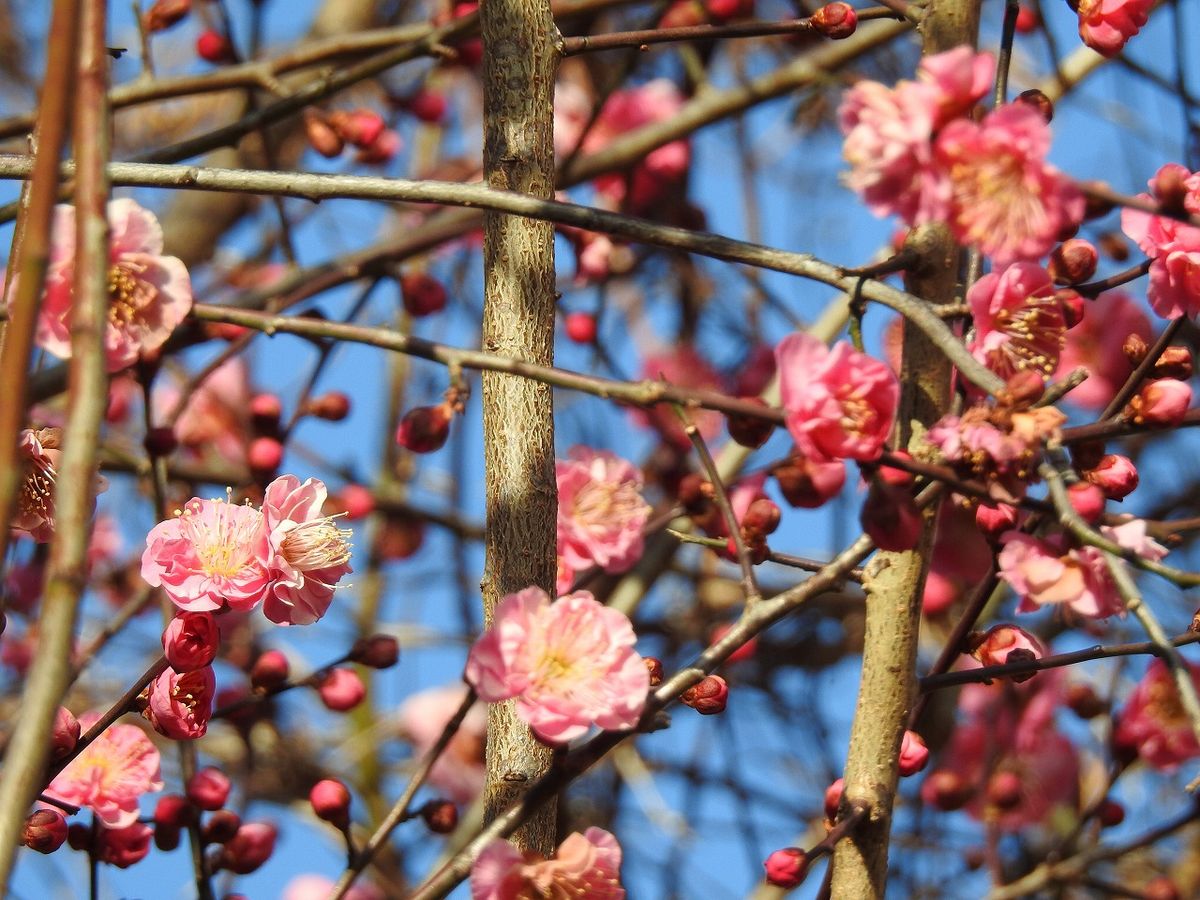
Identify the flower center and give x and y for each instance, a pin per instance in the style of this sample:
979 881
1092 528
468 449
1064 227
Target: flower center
1164 705
189 691
603 505
858 416
129 295
222 535
318 544
37 490
1036 334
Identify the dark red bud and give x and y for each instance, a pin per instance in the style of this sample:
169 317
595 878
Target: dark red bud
1039 101
45 831
580 327
750 431
1073 262
708 697
221 826
655 668
379 651
835 20
424 429
422 294
441 816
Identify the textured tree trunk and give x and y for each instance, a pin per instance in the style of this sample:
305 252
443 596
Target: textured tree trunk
518 320
894 582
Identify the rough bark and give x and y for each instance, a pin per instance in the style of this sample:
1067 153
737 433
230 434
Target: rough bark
518 320
894 582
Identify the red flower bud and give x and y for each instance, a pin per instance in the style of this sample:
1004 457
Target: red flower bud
330 800
422 294
835 20
379 651
748 430
1027 20
64 734
1170 189
122 847
191 640
45 831
174 810
424 428
400 538
1082 700
1162 403
1116 476
270 670
741 654
1073 262
360 127
786 868
1087 499
1175 362
891 518
357 501
332 406
428 106
208 788
896 477
266 410
341 690
165 13
322 136
708 697
914 755
946 790
1039 101
1073 306
221 826
810 483
762 517
993 521
1110 814
160 441
1004 790
249 848
214 47
441 816
166 837
833 798
580 327
265 455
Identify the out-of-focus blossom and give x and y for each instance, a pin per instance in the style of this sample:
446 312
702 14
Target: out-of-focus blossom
309 554
213 553
570 664
601 512
39 455
149 294
681 365
1018 322
341 689
215 418
838 403
1153 722
1095 344
181 705
318 887
208 788
1105 25
1007 199
249 848
111 773
459 771
1047 573
809 483
1173 246
190 641
960 559
586 866
122 847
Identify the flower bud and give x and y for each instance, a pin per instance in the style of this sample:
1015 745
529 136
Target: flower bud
1170 189
999 644
1114 246
166 837
1036 99
441 816
422 294
762 517
1160 404
896 477
835 20
249 848
747 430
356 501
174 810
45 831
1004 790
993 521
833 798
946 790
1110 814
160 441
891 519
266 410
424 428
428 106
809 483
1115 475
400 537
191 640
208 788
786 868
1087 500
1161 888
322 136
1081 699
264 456
221 826
330 800
1072 304
1135 349
341 690
708 697
214 47
332 406
270 671
79 837
741 654
694 493
1027 21
1175 362
1073 262
379 651
165 13
580 327
655 668
385 147
360 127
122 847
64 734
914 755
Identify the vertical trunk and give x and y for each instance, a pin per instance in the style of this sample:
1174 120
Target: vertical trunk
518 321
895 581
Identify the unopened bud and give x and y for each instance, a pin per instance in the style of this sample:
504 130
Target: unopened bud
891 519
833 798
441 816
214 47
1004 790
1160 404
807 483
270 671
1175 362
1135 349
1087 500
360 127
400 537
249 848
332 406
580 327
166 837
993 521
45 831
708 697
330 800
1170 188
1027 20
1073 262
160 441
762 517
322 136
266 410
835 20
221 826
379 651
750 431
1035 98
208 788
1110 814
165 13
786 868
174 810
1113 246
894 476
1072 304
1116 475
422 294
914 755
1024 389
64 734
79 836
428 106
424 429
264 456
1082 700
356 501
947 790
655 668
341 690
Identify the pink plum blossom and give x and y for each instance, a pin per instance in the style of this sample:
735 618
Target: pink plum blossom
190 641
111 773
215 419
1173 246
1095 344
149 294
1046 573
1007 199
1154 723
308 553
1019 324
39 455
318 887
995 647
213 553
601 512
586 866
1105 25
458 772
570 664
838 403
681 365
181 705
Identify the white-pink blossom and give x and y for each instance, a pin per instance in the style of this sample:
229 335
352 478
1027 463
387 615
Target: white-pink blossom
601 512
